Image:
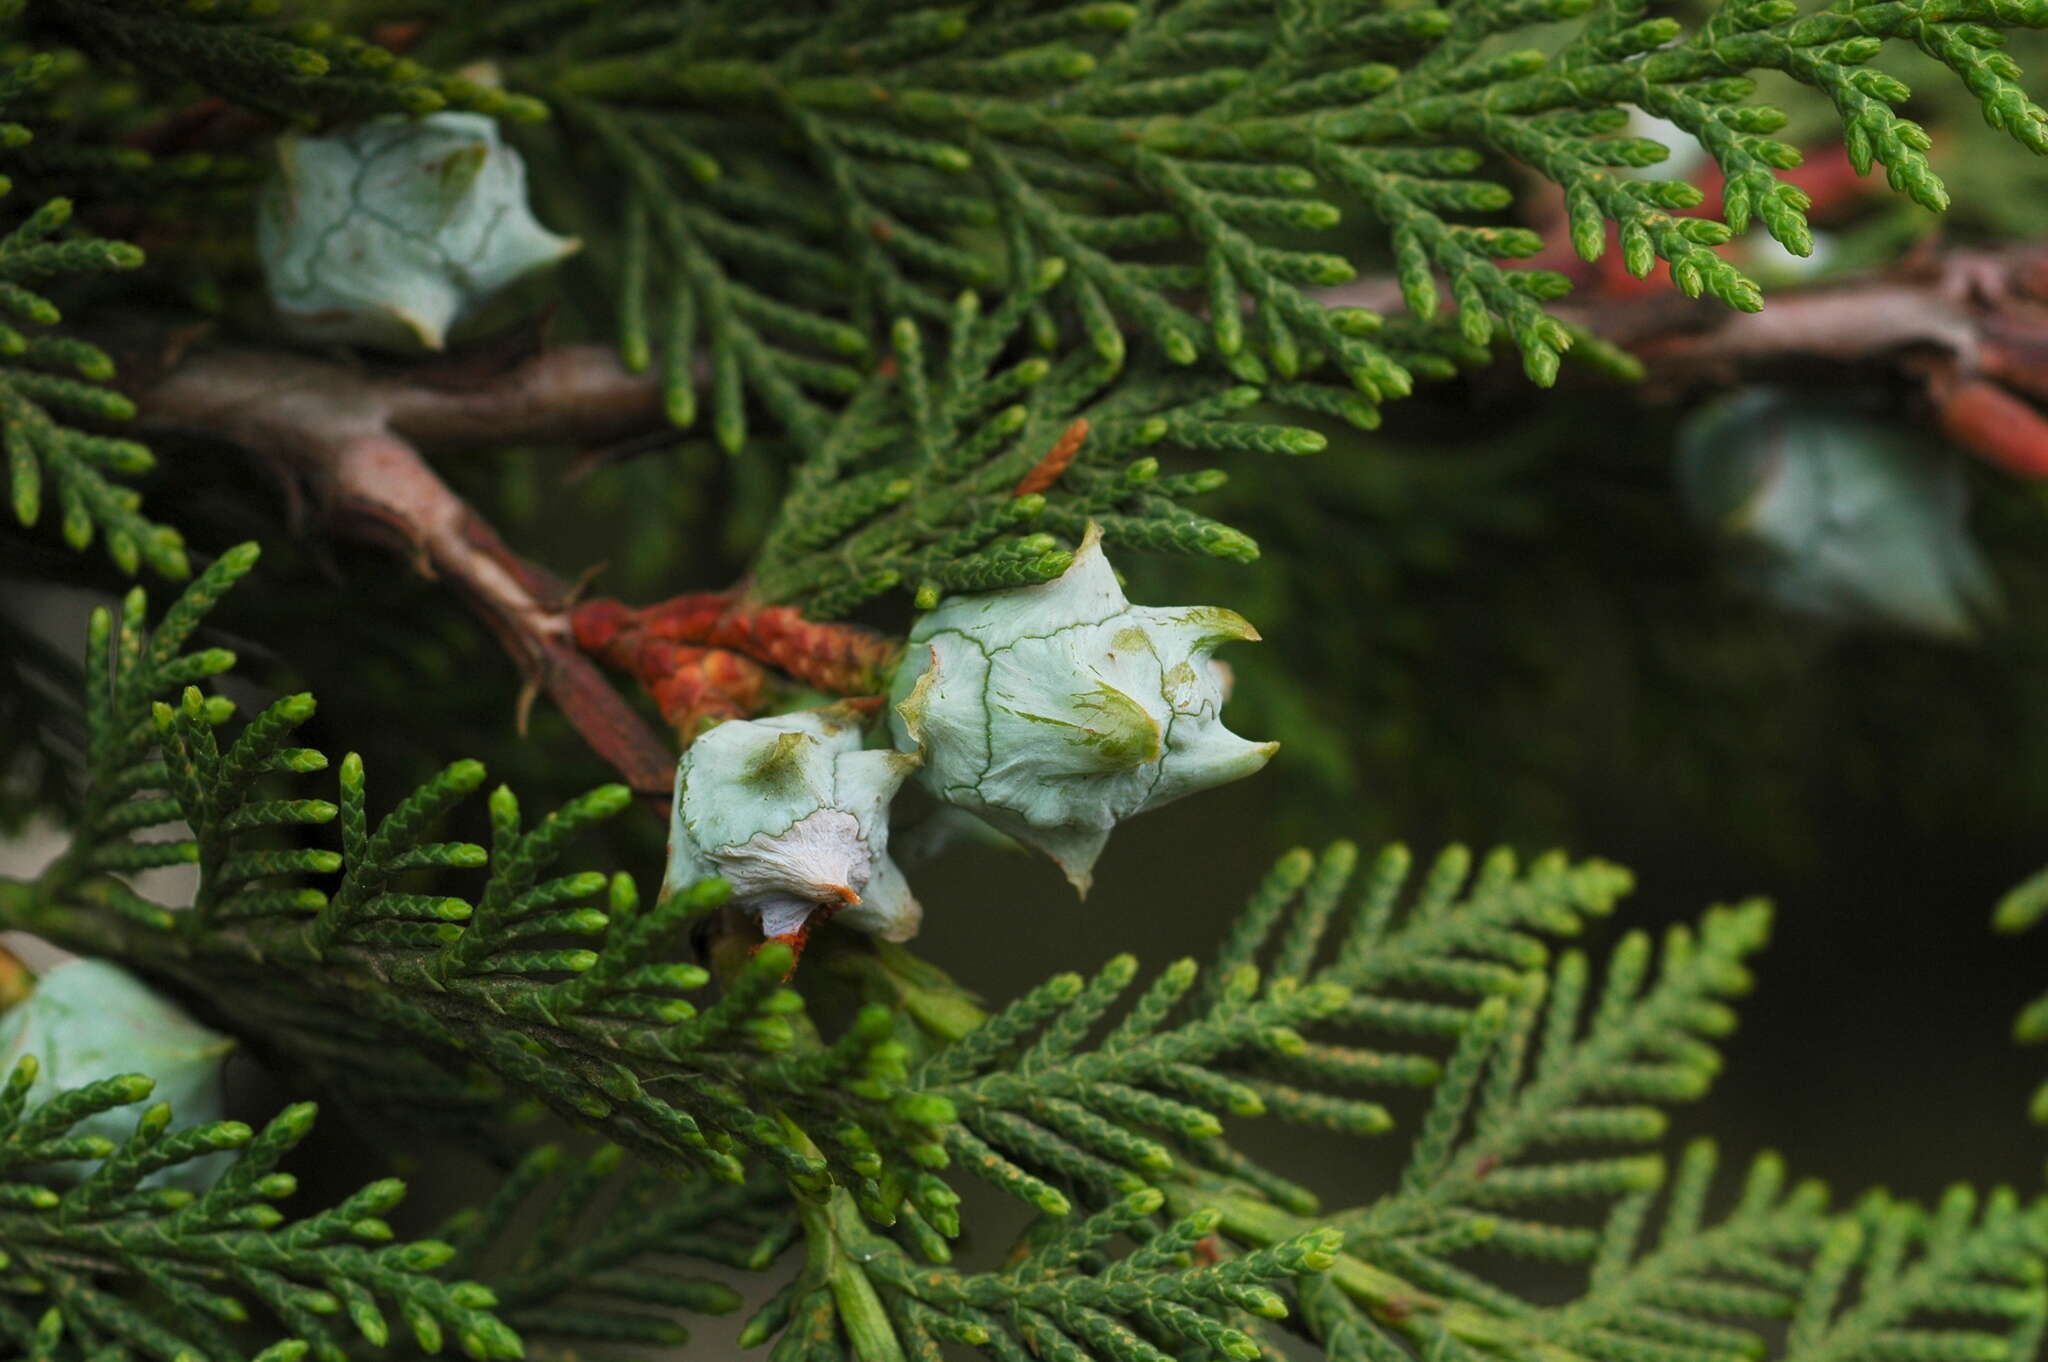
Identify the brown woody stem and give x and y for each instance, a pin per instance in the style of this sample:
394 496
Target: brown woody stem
354 439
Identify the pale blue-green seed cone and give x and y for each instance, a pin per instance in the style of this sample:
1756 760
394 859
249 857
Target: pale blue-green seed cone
794 815
87 1020
392 232
1056 711
1837 514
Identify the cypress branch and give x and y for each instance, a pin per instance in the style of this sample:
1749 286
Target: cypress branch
125 1269
590 1023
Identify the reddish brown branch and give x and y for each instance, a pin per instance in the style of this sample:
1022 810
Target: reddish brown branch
354 439
1968 329
1959 303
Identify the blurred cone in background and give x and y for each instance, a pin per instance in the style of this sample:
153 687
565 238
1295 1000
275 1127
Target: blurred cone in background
1833 512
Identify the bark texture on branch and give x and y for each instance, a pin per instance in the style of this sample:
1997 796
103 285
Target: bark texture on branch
1969 328
354 440
1970 307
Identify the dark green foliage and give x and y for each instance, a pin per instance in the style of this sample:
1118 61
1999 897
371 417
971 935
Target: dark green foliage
39 726
72 132
1182 165
1547 1094
1885 1279
1546 1086
1169 175
1068 1294
297 66
593 1268
47 379
104 1266
1184 1059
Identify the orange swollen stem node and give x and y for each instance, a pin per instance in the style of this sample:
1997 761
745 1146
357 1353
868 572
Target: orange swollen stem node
695 687
839 659
706 656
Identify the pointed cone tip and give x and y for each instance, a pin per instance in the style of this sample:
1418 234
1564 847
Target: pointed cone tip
1218 757
1226 626
1089 558
1251 758
1074 850
431 335
912 708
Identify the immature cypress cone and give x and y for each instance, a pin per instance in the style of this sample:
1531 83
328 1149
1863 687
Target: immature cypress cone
389 233
794 815
1055 711
1834 512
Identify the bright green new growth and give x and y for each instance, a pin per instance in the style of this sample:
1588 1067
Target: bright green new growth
46 378
104 1267
74 463
1155 199
2018 911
